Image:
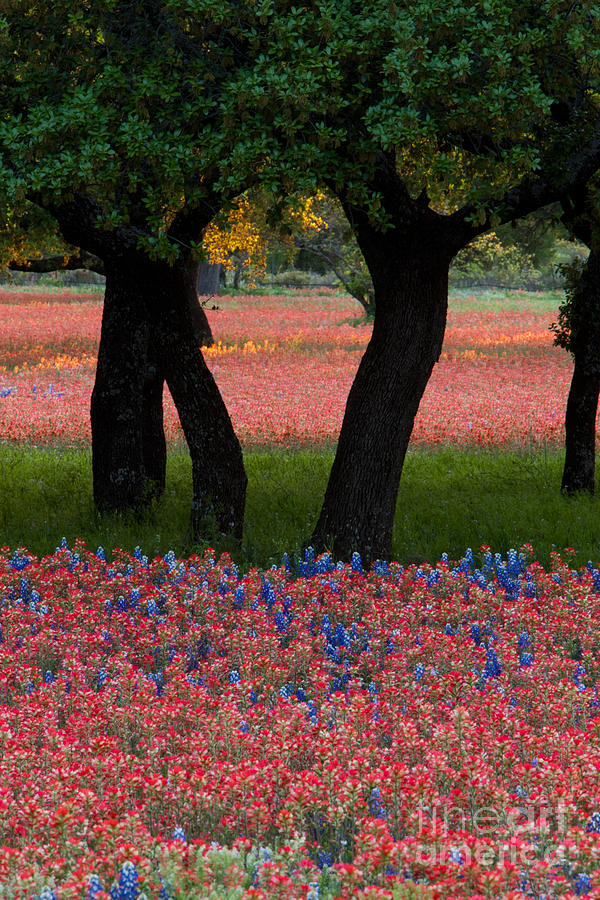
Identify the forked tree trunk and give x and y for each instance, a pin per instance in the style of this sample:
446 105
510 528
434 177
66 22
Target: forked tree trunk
154 445
151 333
410 316
219 478
582 404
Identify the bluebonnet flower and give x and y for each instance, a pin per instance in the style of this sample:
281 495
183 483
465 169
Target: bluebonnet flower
524 641
280 621
179 834
152 606
583 884
128 882
159 680
169 558
578 676
324 564
312 711
100 553
449 629
356 563
307 565
49 676
376 807
593 826
475 632
47 893
526 660
492 664
419 671
18 562
244 727
164 892
234 677
95 886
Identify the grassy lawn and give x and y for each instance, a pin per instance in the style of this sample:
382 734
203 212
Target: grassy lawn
449 500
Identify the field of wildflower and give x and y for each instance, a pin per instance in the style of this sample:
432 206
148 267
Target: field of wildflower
174 729
285 365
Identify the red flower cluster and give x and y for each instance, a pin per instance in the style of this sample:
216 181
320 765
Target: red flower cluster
342 732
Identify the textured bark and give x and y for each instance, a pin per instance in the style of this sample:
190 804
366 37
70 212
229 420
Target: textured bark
209 279
117 399
219 478
154 444
411 285
582 404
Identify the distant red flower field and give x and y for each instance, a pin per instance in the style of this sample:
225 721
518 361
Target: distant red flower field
285 365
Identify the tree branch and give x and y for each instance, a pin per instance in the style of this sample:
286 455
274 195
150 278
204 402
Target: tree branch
80 259
531 195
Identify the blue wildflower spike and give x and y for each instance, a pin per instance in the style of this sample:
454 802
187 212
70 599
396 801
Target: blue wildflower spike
583 884
375 806
128 882
47 893
492 664
179 834
94 886
593 826
475 632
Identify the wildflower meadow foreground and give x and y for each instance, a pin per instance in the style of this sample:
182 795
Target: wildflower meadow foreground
175 729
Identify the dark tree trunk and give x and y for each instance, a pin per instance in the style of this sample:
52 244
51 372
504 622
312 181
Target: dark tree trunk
582 405
149 335
154 444
219 478
209 281
410 316
237 275
200 324
119 480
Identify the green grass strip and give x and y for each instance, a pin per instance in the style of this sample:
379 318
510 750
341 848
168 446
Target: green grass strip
449 499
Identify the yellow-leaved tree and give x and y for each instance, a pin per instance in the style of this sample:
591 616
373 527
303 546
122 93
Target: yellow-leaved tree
240 238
